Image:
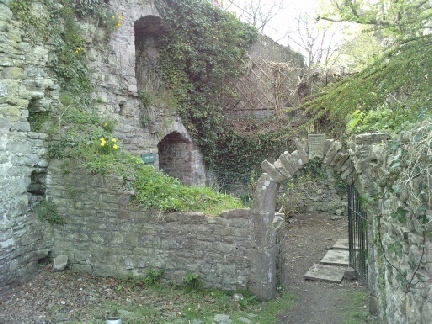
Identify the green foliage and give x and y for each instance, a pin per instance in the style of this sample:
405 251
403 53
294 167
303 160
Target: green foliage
153 276
192 281
389 94
387 18
177 306
47 211
399 215
203 50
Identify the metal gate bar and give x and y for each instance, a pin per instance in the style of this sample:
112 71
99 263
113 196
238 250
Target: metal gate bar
357 234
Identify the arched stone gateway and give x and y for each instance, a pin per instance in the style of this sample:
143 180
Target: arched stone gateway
267 224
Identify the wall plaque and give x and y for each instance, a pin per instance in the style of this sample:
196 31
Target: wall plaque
148 158
316 145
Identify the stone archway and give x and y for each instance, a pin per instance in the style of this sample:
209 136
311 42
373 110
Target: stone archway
264 203
180 158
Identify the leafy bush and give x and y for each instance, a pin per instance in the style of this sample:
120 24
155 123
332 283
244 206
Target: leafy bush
47 211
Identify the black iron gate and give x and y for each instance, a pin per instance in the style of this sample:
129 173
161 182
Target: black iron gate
357 234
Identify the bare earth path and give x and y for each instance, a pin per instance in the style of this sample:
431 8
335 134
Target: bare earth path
308 236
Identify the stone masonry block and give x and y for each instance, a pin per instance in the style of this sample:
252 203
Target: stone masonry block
344 156
281 168
285 159
327 145
334 148
296 158
302 149
340 155
272 171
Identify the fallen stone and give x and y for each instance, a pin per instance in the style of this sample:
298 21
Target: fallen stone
221 319
245 320
335 217
339 211
327 273
60 262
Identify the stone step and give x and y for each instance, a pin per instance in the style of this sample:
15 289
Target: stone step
336 257
341 244
327 273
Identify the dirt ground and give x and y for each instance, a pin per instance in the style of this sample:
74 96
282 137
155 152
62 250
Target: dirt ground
308 238
58 297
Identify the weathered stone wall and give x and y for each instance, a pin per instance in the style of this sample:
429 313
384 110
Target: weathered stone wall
399 239
25 87
316 193
400 246
103 235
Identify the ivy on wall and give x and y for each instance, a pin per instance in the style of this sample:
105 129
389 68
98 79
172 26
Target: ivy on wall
201 52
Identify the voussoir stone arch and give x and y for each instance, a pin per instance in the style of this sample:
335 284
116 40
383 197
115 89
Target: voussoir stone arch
266 221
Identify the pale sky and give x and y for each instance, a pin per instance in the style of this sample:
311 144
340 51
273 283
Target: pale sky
284 20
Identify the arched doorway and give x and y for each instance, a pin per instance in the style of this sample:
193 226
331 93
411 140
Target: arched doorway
180 158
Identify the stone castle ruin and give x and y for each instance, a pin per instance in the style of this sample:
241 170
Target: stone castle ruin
104 235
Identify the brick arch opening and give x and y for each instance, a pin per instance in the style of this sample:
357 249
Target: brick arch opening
180 158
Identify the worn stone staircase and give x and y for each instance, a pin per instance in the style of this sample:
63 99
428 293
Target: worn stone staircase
334 266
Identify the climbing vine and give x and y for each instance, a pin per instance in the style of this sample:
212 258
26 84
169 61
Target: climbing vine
200 54
411 158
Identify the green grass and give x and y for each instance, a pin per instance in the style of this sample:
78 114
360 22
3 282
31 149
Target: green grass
357 312
172 304
80 139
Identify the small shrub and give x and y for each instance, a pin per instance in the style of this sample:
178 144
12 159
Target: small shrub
47 211
153 276
192 281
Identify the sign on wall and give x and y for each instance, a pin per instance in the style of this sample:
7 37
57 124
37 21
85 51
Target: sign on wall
148 158
316 145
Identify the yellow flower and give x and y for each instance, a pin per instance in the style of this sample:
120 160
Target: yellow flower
114 140
103 144
105 124
103 141
115 147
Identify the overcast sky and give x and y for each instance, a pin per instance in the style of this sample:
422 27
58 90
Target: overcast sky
284 20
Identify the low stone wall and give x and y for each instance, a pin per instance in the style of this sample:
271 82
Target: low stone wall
105 236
